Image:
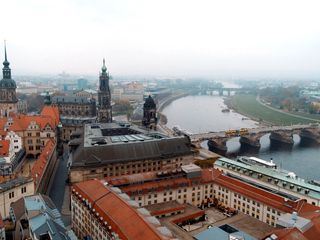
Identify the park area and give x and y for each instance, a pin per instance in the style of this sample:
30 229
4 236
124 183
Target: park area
249 106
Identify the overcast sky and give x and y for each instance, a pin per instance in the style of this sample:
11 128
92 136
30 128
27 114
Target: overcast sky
230 38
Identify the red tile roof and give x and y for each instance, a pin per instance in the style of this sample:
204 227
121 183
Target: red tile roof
4 148
41 163
289 234
21 122
312 233
122 218
53 112
211 176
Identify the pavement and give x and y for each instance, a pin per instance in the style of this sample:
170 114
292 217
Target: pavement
58 193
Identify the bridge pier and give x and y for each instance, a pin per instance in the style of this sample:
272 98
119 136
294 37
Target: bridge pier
281 137
310 135
218 145
251 141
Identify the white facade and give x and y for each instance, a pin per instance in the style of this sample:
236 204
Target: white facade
195 195
14 193
15 141
285 189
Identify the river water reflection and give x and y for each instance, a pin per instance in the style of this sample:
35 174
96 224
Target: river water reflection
204 113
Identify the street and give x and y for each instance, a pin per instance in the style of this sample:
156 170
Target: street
57 190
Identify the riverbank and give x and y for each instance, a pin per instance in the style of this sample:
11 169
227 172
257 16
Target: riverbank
162 117
165 102
249 106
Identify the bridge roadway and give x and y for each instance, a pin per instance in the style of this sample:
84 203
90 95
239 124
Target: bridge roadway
198 137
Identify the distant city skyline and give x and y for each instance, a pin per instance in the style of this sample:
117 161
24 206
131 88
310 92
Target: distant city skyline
263 39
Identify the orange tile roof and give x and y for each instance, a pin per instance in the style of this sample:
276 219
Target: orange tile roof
3 133
123 219
41 163
312 233
211 176
4 148
21 122
289 234
51 111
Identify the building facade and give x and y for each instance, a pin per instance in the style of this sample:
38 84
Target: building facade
104 96
275 179
74 110
102 213
13 190
34 131
203 188
114 149
8 98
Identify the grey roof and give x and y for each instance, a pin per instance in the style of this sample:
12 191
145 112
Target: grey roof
131 151
14 182
46 218
71 99
119 142
281 175
217 233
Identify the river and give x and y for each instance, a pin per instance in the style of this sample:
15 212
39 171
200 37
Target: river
198 114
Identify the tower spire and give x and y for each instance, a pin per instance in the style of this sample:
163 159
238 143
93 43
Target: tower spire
6 62
5 51
104 68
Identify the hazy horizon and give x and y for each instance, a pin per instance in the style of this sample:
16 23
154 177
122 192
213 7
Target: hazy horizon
227 39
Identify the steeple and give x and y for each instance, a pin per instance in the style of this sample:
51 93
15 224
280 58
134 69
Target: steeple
8 97
6 71
104 68
104 96
5 52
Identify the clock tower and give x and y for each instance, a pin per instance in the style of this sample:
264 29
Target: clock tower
104 96
8 97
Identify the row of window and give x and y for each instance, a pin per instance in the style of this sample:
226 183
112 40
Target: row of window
23 190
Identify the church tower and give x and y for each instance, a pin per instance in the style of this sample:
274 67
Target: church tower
8 97
149 113
104 97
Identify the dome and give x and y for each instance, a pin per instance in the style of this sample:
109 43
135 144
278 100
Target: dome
149 103
8 83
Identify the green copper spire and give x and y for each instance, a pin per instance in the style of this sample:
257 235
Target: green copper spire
104 68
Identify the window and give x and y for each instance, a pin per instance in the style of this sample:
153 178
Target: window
29 141
11 195
31 148
23 189
29 134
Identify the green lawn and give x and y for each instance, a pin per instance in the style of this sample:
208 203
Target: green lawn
249 106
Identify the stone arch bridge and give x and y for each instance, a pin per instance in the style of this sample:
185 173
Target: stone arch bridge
278 134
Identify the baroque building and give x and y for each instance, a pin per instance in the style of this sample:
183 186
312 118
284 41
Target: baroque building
74 112
8 98
104 97
114 149
149 113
